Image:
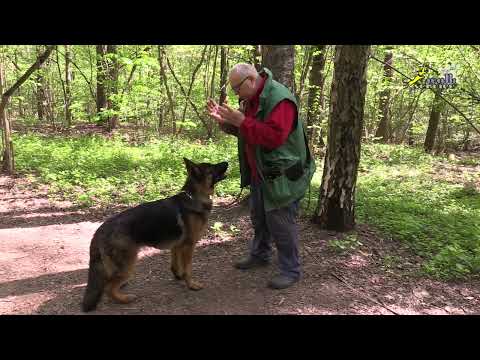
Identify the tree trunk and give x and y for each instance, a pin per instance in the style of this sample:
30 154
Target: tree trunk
212 87
112 76
307 61
41 91
433 123
21 110
206 83
160 119
68 92
315 102
408 126
223 74
101 80
50 97
441 135
385 126
280 60
8 163
257 57
163 75
336 203
8 160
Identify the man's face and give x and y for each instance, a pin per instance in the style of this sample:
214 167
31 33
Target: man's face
242 86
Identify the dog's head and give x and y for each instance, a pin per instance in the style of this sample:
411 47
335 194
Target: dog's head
203 177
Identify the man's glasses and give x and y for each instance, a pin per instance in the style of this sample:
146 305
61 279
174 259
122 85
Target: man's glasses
236 88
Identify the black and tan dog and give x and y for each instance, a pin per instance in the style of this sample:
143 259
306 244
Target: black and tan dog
175 223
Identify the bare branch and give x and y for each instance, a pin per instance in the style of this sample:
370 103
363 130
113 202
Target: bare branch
187 97
40 60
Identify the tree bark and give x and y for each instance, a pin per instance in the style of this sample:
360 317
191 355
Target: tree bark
68 92
307 61
8 160
336 203
385 125
207 72
101 79
433 122
41 91
280 60
212 87
315 102
112 75
223 75
21 110
64 89
257 57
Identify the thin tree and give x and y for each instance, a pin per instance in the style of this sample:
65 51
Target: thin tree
8 160
315 102
437 107
163 77
384 130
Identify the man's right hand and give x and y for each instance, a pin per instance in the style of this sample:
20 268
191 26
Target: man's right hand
212 107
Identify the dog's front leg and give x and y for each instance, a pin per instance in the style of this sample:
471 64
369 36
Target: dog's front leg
177 263
187 262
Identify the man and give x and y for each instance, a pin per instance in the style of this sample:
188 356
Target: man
274 160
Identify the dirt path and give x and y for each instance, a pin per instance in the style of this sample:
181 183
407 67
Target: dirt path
44 258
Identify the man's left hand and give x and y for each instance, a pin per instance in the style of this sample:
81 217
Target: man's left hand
230 115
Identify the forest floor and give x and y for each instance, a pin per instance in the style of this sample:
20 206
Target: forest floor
44 253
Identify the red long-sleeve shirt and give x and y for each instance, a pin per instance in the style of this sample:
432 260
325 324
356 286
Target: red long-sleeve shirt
271 133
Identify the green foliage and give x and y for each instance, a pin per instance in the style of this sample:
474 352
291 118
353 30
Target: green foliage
347 243
438 220
92 170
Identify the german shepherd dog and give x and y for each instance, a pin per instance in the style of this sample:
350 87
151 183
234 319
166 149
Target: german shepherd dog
176 223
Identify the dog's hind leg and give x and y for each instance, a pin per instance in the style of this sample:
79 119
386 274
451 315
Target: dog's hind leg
114 289
187 252
120 277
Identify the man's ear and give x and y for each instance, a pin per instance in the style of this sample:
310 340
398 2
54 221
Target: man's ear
192 168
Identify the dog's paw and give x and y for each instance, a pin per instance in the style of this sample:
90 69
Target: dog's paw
194 285
125 298
131 298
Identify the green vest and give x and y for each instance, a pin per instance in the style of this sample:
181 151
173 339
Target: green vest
280 191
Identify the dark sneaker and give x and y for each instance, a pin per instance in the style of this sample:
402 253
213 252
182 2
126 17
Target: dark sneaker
250 263
281 282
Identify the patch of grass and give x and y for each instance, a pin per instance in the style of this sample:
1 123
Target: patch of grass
92 170
346 243
438 220
469 161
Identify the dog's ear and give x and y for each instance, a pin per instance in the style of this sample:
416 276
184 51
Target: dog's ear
192 168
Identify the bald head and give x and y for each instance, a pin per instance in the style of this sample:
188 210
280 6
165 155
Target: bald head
244 70
244 80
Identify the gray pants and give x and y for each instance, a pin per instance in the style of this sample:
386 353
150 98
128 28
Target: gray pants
279 224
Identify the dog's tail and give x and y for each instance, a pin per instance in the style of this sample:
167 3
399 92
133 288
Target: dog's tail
97 279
